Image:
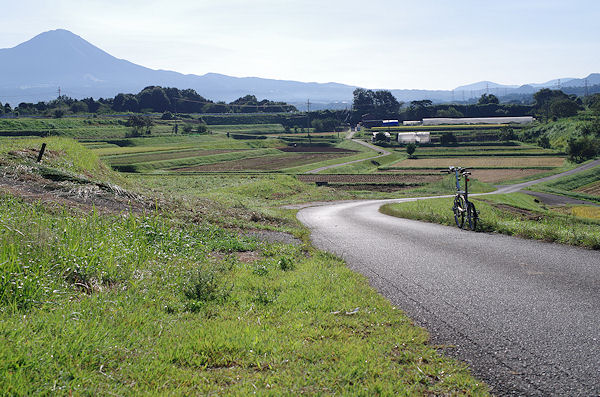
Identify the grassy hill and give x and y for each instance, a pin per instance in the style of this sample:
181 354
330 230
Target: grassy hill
124 285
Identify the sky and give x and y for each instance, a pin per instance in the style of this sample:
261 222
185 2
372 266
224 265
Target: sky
426 44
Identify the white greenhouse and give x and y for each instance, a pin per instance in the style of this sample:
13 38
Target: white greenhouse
414 137
478 120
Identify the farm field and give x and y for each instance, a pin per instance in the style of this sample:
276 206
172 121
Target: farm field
584 185
264 163
468 150
593 189
371 178
477 162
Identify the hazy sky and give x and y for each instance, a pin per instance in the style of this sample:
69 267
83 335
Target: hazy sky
429 44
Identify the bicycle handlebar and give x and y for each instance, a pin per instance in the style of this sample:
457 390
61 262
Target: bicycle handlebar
461 170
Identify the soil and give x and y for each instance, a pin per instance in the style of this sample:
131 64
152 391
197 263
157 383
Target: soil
497 176
592 189
314 149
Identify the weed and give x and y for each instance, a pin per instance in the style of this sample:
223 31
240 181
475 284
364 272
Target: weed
285 263
265 296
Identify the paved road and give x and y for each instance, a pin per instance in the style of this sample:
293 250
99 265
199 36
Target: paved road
524 314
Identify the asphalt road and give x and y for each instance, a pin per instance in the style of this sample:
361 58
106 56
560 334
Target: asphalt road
523 314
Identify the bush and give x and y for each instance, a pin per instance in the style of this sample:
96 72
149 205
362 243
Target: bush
204 286
410 149
448 138
167 116
581 149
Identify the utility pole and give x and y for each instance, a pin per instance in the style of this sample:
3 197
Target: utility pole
58 93
308 120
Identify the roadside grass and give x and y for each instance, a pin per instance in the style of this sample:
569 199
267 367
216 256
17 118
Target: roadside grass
514 214
151 304
246 201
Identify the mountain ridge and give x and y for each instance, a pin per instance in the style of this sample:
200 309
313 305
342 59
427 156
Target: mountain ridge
33 70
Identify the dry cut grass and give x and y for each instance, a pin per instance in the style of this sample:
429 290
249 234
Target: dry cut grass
474 162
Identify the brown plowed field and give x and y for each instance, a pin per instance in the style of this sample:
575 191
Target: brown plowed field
370 178
314 149
592 189
495 176
487 161
265 163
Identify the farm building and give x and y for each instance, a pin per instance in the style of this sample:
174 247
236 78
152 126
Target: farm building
390 123
414 137
411 122
478 120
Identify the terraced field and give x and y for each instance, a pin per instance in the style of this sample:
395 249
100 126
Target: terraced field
593 189
264 163
482 162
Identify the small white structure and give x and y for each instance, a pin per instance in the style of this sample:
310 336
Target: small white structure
478 120
411 122
414 137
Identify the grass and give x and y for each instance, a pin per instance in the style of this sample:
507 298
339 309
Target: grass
514 214
248 128
138 304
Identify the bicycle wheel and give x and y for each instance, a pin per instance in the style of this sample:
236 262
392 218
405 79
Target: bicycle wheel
471 216
459 209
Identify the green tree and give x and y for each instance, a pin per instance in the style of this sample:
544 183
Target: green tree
410 149
379 104
488 98
140 124
544 141
450 112
507 133
418 110
582 148
564 107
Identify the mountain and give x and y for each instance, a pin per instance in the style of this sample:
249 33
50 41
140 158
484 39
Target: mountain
482 85
33 71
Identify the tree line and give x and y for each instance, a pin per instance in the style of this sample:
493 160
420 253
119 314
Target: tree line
152 99
382 105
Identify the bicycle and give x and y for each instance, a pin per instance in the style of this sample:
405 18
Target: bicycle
462 207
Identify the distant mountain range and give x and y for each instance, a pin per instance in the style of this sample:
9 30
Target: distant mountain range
33 71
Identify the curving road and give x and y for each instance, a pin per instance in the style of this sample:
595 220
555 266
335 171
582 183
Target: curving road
524 314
